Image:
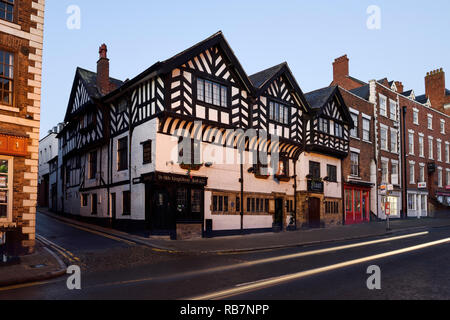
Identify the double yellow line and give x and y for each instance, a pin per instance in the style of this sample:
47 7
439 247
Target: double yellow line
69 256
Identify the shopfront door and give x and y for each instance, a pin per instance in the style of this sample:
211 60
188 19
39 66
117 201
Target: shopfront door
357 206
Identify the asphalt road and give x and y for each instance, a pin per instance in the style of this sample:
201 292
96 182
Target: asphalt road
113 269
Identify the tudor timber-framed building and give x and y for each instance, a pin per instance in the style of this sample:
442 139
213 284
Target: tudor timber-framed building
21 41
155 150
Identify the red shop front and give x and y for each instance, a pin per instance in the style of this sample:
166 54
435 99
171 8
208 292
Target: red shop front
357 204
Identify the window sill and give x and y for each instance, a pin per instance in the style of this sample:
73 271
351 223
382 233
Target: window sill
10 24
9 108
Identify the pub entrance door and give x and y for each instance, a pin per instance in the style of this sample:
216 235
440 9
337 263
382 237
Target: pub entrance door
314 212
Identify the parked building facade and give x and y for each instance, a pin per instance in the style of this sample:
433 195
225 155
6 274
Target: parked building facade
21 39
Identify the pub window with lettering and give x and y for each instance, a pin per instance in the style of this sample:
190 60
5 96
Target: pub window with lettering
7 10
6 172
6 77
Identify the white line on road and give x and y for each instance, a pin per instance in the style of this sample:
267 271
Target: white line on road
295 276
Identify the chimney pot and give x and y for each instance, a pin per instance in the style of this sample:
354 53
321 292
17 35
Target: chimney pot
103 70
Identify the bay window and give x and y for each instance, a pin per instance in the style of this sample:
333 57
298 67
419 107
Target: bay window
279 112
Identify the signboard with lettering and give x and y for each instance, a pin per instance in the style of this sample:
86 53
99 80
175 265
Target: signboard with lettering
13 146
174 178
422 185
388 209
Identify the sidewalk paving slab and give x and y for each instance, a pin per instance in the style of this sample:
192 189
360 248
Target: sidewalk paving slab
265 241
42 265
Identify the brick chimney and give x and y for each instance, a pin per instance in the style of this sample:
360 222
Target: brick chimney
103 71
435 87
340 68
399 85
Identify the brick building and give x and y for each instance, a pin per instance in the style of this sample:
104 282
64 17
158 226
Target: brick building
359 168
406 125
427 152
436 94
21 39
383 95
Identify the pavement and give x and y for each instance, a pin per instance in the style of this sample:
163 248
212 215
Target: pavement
43 264
266 241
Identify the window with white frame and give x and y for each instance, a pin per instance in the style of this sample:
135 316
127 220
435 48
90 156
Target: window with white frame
394 141
394 173
354 164
384 171
6 179
440 181
448 177
412 174
383 106
411 143
422 173
439 150
384 138
355 131
443 126
430 148
411 201
393 109
430 122
421 147
366 129
447 153
416 116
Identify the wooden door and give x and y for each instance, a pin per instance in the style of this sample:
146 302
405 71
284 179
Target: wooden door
314 212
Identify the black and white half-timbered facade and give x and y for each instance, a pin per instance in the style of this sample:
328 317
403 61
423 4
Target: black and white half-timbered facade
327 142
192 146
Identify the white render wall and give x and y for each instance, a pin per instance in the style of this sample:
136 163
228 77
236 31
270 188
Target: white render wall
48 149
331 189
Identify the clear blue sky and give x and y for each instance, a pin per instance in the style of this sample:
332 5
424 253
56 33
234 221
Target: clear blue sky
413 39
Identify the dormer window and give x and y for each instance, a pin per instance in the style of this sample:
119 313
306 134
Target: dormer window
212 93
278 112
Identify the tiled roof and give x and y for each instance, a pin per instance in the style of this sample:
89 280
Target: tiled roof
318 98
90 80
363 92
260 78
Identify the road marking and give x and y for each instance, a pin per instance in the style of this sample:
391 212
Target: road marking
263 261
64 252
99 233
26 285
282 279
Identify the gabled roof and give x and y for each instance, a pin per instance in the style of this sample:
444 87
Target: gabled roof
262 80
362 92
320 98
407 93
89 81
162 67
422 99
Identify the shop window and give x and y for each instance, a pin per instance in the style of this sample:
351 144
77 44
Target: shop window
6 178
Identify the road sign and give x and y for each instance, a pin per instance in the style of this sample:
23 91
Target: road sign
388 209
390 187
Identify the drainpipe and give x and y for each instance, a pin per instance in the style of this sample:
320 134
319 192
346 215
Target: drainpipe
405 184
241 180
295 192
